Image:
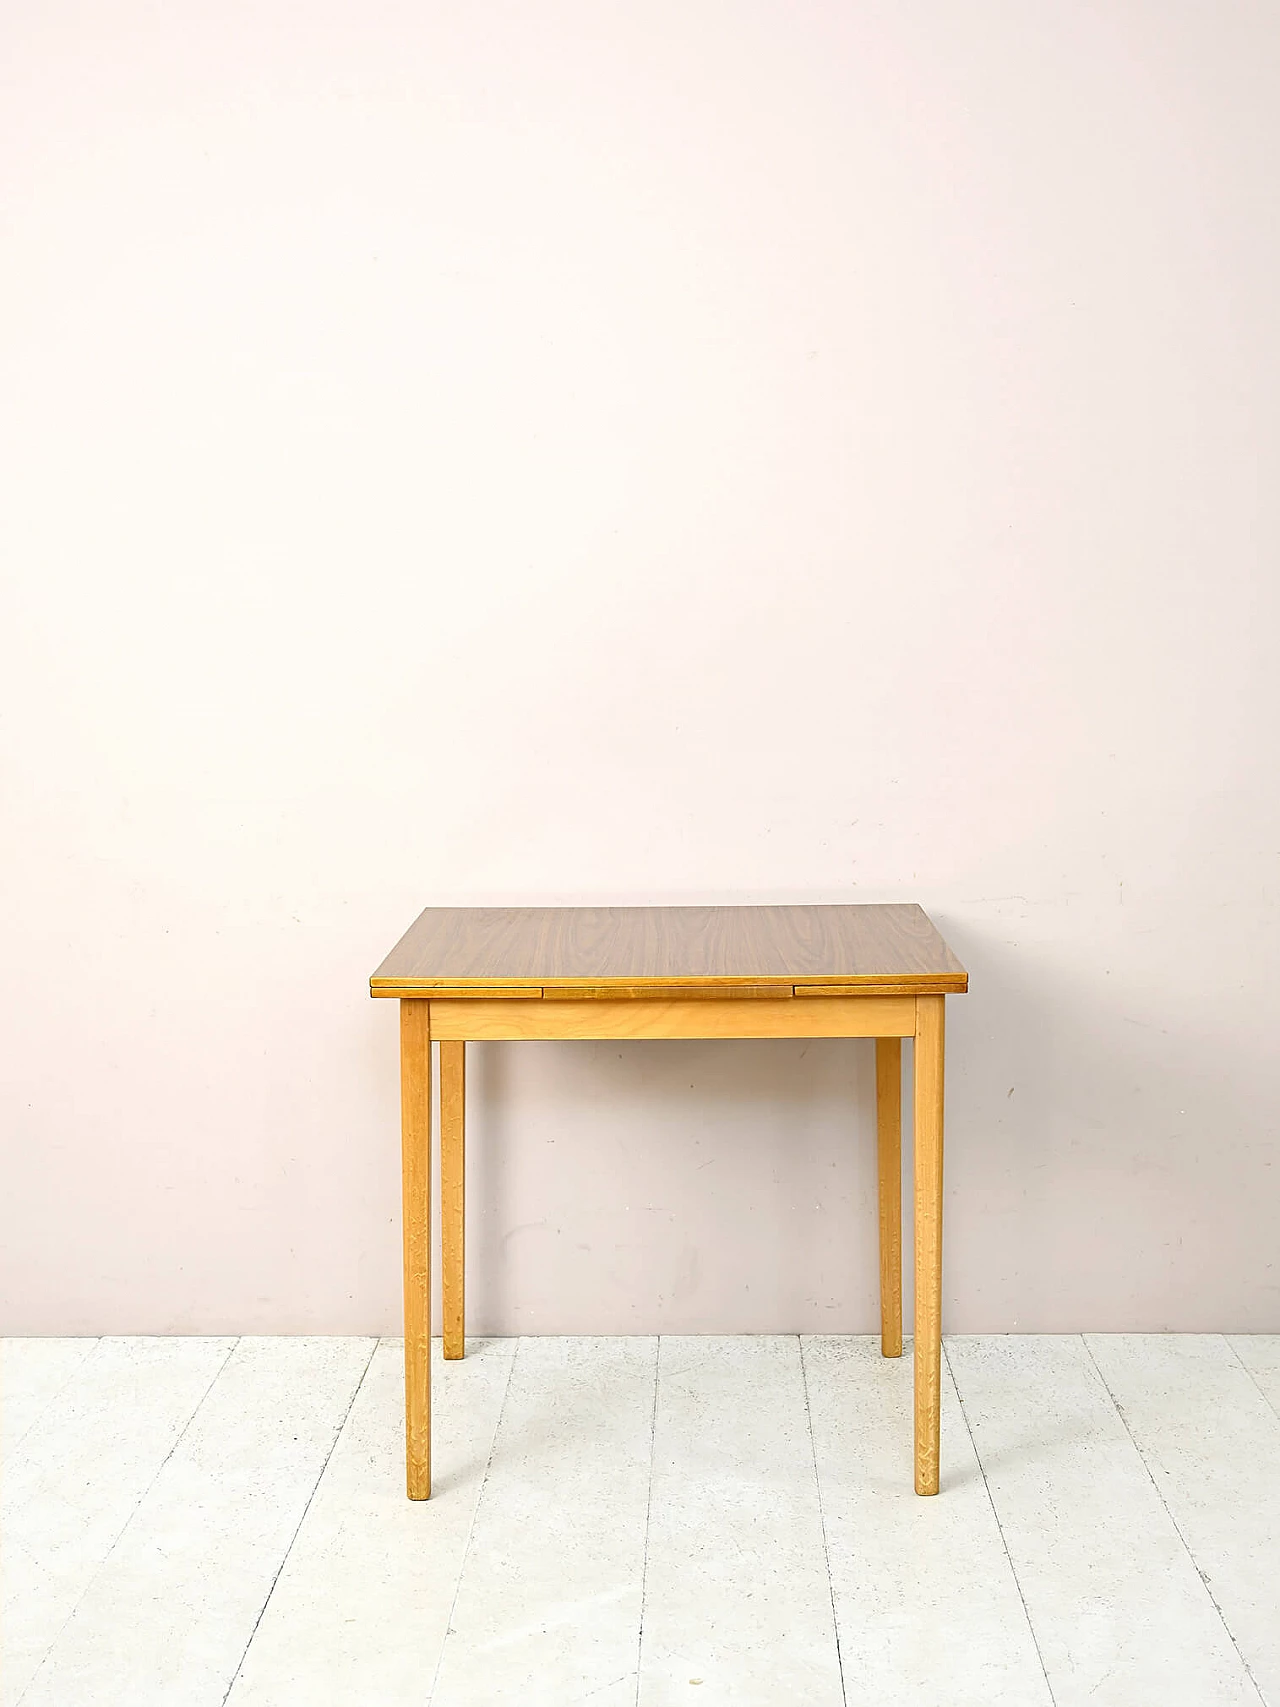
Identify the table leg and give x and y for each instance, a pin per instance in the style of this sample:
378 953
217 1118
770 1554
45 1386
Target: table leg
415 1140
889 1168
453 1094
930 1033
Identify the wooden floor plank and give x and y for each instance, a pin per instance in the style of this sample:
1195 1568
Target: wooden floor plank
548 1604
1119 1611
1211 1442
903 1568
168 1616
32 1374
74 1483
361 1607
737 1593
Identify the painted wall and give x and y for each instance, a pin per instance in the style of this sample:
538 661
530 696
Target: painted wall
500 454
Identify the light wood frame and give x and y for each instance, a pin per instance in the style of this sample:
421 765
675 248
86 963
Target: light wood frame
455 1022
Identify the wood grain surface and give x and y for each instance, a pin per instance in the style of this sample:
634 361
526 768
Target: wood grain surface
415 1129
838 1016
453 1195
929 1069
889 1172
842 949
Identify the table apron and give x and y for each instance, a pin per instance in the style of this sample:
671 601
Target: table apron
476 1020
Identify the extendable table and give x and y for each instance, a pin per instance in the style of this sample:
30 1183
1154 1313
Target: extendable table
478 974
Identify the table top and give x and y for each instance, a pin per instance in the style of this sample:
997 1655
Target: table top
618 951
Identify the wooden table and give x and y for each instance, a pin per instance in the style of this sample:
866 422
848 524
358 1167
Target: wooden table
464 974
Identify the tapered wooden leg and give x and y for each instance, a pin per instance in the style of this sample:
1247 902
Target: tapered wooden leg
453 1187
889 1168
930 1034
415 1139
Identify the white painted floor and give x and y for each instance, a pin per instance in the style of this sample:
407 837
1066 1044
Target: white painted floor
193 1521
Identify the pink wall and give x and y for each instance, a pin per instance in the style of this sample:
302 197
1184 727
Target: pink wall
661 452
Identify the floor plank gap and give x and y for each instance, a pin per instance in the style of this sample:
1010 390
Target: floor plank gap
648 1511
1031 1629
88 1585
822 1521
51 1398
1177 1527
298 1527
1269 1401
484 1479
